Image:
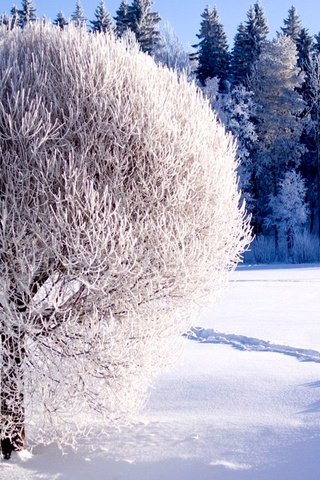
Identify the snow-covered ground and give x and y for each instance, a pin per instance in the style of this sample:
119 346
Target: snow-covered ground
243 404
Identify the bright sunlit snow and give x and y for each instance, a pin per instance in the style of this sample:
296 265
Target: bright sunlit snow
243 404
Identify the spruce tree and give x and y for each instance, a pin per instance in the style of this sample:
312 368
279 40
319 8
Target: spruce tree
102 23
292 24
60 20
27 13
142 21
239 65
248 43
122 19
316 44
304 47
78 18
212 50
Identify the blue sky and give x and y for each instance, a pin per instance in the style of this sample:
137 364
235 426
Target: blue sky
184 15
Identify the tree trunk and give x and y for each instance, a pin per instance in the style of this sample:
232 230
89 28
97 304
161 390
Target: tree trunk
12 393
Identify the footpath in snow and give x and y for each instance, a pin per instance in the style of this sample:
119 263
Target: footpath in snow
240 342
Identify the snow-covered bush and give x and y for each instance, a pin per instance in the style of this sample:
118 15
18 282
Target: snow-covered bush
288 208
306 248
262 250
235 109
119 208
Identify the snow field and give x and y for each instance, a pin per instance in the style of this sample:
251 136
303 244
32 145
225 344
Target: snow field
223 413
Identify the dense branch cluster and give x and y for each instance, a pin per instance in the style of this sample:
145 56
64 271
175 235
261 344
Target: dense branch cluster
119 208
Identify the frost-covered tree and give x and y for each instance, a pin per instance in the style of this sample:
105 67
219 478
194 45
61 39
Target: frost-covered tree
142 21
316 44
212 50
238 63
102 22
304 45
171 52
122 19
289 211
279 122
236 110
78 18
27 13
292 25
60 20
311 162
119 208
248 42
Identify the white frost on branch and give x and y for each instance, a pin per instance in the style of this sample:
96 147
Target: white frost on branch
119 210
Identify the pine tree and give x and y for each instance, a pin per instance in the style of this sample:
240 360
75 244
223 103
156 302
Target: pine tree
78 18
292 24
316 44
102 23
248 43
279 124
212 50
142 21
304 44
27 13
60 20
239 65
122 19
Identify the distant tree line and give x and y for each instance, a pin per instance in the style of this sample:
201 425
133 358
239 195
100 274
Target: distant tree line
267 93
137 17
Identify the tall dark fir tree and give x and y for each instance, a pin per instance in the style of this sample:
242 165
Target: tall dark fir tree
249 41
102 22
60 20
304 45
78 17
239 65
27 13
143 23
292 25
212 50
316 44
122 19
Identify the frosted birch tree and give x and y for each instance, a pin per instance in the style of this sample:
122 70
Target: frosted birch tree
279 118
119 208
289 211
170 52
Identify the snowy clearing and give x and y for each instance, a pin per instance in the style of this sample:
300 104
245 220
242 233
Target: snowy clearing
251 412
